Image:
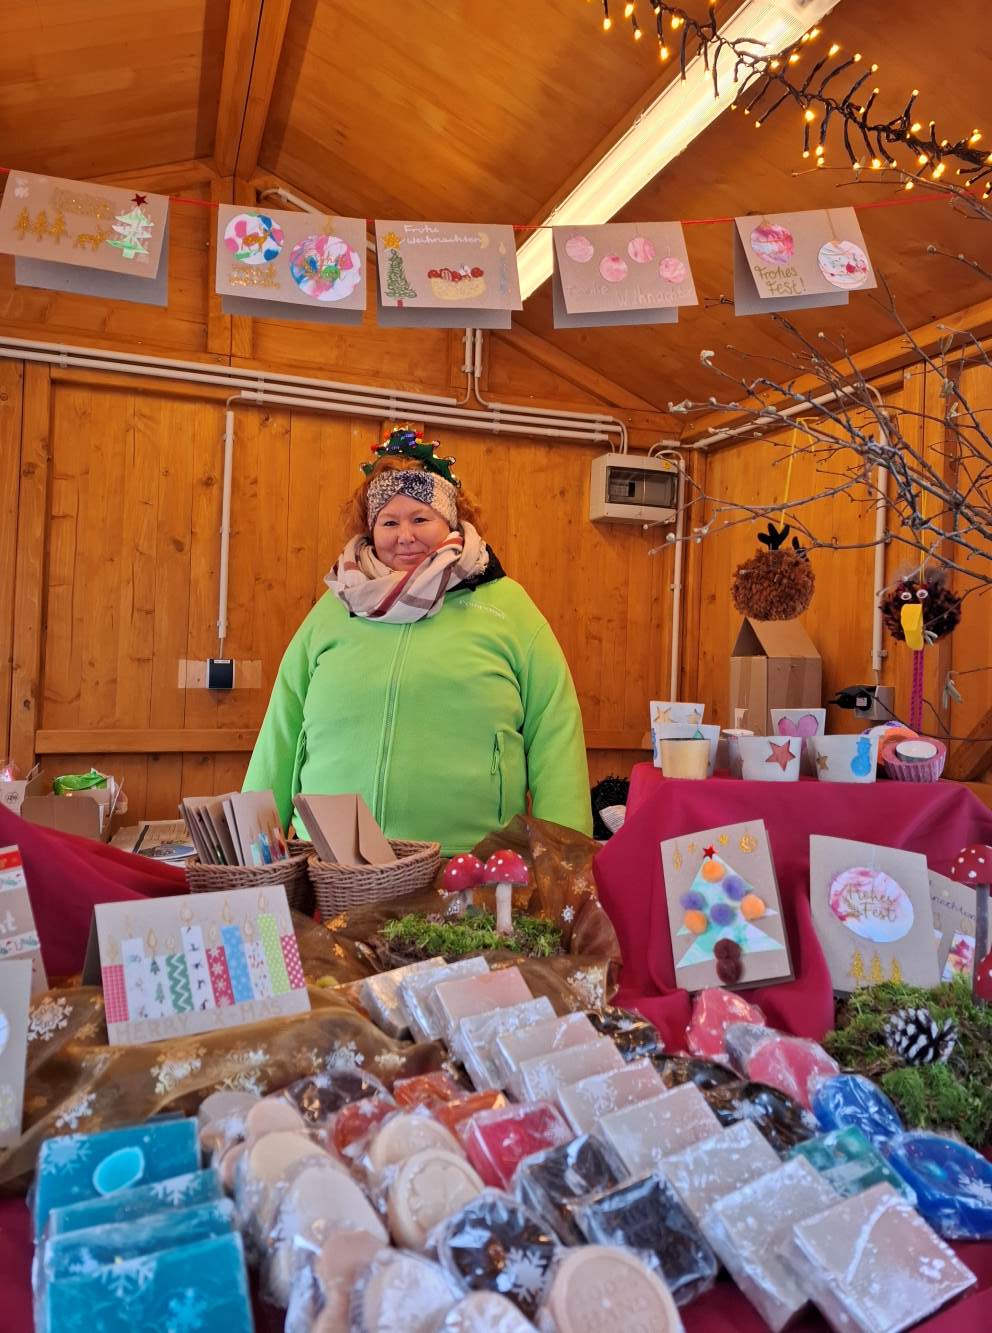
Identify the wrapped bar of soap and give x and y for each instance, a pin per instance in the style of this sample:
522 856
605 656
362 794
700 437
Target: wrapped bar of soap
262 1169
780 1118
602 1287
458 999
321 1096
475 1039
715 1167
794 1065
74 1167
417 994
484 1312
747 1229
555 1034
678 1069
872 1265
496 1244
427 1188
952 1183
401 1291
632 1035
202 1286
271 1114
586 1103
550 1181
380 994
713 1010
648 1131
540 1078
320 1300
356 1121
221 1105
185 1191
648 1215
425 1089
852 1099
850 1163
454 1115
497 1141
406 1133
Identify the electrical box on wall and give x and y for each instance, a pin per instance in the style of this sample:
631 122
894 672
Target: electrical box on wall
632 488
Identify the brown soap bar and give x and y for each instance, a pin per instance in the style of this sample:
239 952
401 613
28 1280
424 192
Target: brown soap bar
429 1186
407 1133
599 1287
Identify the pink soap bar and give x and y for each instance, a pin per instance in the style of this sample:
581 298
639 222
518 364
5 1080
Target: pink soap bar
542 1078
553 1034
586 1103
791 1064
648 1131
459 999
718 1165
713 1010
497 1141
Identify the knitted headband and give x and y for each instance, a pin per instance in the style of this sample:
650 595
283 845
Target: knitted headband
427 488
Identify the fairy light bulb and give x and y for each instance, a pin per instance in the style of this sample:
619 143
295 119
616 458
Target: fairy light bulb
915 127
923 159
677 21
774 64
637 32
857 57
794 58
908 185
805 152
810 115
819 150
607 23
628 9
975 136
834 48
814 33
938 171
876 164
663 54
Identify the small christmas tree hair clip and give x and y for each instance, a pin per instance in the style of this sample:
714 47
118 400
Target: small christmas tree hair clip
405 442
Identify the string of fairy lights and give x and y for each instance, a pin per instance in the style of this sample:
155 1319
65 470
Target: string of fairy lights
810 76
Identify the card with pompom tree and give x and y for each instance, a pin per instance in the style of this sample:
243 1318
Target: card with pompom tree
724 909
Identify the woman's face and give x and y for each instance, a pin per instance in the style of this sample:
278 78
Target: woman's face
405 531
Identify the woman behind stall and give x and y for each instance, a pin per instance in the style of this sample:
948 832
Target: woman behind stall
426 680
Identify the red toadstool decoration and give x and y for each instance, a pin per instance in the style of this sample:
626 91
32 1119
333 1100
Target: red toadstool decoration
973 866
504 869
461 875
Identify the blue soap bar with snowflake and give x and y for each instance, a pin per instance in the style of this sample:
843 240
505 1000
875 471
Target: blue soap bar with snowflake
953 1183
75 1167
198 1288
185 1191
846 1159
851 1100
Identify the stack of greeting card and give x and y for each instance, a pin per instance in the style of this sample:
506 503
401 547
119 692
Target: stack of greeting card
242 828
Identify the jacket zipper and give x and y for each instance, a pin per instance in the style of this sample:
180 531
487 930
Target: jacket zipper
388 722
497 768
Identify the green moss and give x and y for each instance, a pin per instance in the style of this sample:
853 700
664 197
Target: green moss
955 1096
473 933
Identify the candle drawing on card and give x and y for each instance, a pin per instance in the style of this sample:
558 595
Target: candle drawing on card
258 968
220 975
196 962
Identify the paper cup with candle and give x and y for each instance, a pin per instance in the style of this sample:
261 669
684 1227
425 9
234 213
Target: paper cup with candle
684 756
920 759
844 758
670 710
770 758
730 743
804 723
677 731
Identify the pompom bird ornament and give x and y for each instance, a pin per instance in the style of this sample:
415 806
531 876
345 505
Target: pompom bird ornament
920 609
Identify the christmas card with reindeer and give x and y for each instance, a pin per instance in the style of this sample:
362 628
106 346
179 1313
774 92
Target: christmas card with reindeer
872 913
724 909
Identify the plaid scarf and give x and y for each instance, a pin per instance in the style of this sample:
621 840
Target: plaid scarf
373 591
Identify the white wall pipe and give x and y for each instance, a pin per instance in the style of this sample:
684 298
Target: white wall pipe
225 528
676 660
878 580
736 431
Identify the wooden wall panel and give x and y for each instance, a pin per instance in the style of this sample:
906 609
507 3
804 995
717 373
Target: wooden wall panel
11 378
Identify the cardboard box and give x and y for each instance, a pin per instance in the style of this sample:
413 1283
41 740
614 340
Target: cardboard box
774 664
12 794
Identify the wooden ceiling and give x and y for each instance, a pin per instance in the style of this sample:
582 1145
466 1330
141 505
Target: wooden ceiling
473 111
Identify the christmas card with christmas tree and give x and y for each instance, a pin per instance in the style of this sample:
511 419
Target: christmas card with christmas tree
95 240
724 909
788 261
447 275
872 913
170 967
302 265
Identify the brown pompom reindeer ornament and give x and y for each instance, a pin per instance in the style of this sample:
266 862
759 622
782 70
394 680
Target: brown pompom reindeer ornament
776 584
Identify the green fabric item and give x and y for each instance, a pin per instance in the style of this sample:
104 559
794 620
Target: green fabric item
441 725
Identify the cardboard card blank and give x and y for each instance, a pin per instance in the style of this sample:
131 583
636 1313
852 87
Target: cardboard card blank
344 830
19 937
872 913
620 273
953 907
259 827
15 1002
720 887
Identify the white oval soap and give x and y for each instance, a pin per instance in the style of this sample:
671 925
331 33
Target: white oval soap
404 1134
598 1287
427 1188
219 1105
485 1312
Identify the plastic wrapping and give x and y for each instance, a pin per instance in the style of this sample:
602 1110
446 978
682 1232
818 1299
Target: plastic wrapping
646 1132
952 1183
400 1292
850 1163
218 1135
678 1069
549 1181
872 1265
713 1010
380 994
475 1039
540 1078
554 1034
354 1124
497 1141
484 1312
405 1133
587 1102
455 1115
320 1297
187 1191
794 1065
261 1169
852 1099
269 1115
417 994
749 1227
781 1120
427 1089
221 1105
632 1035
323 1095
717 1166
607 1288
648 1215
462 997
427 1188
496 1244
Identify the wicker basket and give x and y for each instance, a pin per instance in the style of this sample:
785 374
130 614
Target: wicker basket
291 873
340 888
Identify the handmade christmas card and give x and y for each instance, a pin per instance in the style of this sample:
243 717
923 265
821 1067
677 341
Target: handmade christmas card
343 830
724 909
620 273
18 932
15 1001
446 275
790 261
872 913
302 265
171 967
97 240
953 907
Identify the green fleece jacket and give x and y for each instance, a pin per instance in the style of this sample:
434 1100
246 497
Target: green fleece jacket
442 725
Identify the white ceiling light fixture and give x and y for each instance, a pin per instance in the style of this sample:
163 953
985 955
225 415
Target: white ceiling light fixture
678 115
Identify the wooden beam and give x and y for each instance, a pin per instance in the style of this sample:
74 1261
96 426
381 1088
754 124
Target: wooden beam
252 48
615 740
974 755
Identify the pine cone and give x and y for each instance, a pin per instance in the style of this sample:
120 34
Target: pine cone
917 1037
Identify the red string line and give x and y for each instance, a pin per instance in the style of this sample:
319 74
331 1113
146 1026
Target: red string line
900 201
